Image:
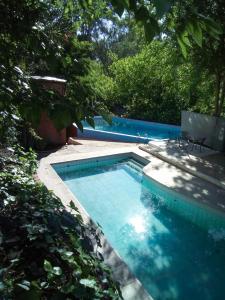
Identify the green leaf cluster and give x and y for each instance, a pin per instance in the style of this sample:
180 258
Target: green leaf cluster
48 40
156 84
46 252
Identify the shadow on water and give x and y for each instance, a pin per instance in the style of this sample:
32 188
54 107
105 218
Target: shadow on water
178 259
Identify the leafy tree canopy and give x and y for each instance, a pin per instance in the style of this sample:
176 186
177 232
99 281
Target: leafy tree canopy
154 15
156 84
210 37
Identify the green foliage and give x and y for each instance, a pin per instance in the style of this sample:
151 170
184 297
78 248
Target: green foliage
202 36
156 84
148 14
8 131
121 37
194 20
194 29
48 41
46 252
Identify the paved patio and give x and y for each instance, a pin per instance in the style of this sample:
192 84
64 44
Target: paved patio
207 164
84 146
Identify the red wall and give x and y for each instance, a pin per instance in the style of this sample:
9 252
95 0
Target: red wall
48 131
46 128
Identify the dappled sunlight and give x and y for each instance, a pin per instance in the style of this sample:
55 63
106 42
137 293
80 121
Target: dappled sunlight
217 234
205 192
200 189
207 161
146 223
170 248
161 262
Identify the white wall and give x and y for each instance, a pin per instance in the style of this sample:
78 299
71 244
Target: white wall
200 125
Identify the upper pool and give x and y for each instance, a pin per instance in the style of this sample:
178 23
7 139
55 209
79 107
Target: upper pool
128 130
175 247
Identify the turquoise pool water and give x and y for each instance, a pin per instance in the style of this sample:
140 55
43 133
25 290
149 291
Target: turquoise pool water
173 246
129 130
153 132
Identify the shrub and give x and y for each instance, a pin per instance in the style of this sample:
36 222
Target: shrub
46 252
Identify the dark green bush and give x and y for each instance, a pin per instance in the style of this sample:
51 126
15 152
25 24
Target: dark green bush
45 251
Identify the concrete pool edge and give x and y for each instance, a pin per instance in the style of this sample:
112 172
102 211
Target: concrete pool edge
131 287
49 177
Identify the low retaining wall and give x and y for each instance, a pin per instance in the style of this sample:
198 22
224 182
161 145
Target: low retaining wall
201 125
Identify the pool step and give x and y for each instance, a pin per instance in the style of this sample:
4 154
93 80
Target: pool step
138 166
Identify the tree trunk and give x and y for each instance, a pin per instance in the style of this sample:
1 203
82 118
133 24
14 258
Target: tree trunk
217 95
222 96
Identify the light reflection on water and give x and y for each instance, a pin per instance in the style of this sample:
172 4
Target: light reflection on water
174 247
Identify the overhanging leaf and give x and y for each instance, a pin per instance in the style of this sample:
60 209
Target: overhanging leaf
162 6
151 28
61 117
141 14
79 124
31 112
57 271
183 47
91 121
88 282
132 4
184 37
23 286
197 33
190 28
72 206
47 266
213 28
107 117
119 6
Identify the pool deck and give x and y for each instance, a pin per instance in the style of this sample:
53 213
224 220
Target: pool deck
206 164
193 187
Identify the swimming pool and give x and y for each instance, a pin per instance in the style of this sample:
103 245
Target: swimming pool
128 130
175 247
